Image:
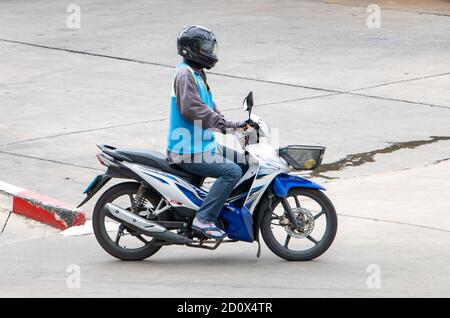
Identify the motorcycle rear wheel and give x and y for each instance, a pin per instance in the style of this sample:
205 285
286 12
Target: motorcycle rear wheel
99 222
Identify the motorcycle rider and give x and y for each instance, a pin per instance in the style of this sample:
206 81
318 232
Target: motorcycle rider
193 116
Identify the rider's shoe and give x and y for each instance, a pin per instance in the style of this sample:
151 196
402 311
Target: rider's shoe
208 229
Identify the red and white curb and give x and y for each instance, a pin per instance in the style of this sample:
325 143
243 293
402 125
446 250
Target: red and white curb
39 207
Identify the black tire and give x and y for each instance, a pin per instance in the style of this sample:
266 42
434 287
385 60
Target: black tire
98 223
324 243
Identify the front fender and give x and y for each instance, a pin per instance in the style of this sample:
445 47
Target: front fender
284 182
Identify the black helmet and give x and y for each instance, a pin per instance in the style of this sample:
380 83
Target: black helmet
199 45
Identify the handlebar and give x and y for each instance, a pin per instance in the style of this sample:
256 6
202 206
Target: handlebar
255 126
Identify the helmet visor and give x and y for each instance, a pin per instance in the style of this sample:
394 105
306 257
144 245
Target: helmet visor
209 47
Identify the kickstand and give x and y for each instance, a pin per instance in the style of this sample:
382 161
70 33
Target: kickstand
258 254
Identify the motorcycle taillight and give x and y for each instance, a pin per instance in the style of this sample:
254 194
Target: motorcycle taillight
102 160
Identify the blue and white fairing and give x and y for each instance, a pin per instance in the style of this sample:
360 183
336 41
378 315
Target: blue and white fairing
266 169
176 191
263 168
180 194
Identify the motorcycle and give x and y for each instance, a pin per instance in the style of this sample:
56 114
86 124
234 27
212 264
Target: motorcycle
133 220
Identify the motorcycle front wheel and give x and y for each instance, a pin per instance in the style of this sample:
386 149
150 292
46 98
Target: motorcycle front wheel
317 220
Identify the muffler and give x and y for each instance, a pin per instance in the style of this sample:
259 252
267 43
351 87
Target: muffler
144 226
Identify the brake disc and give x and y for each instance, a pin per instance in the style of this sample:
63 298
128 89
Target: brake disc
306 220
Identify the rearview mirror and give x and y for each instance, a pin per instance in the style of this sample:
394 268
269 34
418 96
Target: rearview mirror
248 102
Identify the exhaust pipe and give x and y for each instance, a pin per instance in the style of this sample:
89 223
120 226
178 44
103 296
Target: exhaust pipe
144 226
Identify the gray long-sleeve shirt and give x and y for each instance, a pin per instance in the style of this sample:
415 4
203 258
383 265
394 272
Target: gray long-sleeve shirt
193 108
191 105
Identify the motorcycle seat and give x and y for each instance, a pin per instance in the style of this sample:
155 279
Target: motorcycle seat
159 160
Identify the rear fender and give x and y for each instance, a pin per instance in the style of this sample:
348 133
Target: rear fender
118 171
99 182
124 172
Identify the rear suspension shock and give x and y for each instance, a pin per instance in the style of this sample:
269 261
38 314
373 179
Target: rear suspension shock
139 200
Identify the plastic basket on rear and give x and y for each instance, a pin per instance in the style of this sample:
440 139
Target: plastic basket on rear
302 157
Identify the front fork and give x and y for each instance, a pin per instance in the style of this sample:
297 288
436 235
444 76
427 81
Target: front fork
290 214
287 207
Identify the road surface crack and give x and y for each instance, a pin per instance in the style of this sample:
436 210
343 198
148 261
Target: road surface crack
6 222
84 131
350 92
49 160
395 222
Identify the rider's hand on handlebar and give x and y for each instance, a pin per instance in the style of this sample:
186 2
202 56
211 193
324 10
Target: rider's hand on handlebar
251 123
243 125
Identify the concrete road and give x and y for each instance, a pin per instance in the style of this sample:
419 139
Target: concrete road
392 242
378 99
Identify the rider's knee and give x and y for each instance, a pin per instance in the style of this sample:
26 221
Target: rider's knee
235 172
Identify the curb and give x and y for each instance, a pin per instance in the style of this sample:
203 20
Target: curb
39 207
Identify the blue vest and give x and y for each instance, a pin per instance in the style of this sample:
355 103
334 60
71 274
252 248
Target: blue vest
184 137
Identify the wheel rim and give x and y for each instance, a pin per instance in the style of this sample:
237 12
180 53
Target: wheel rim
116 233
313 217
